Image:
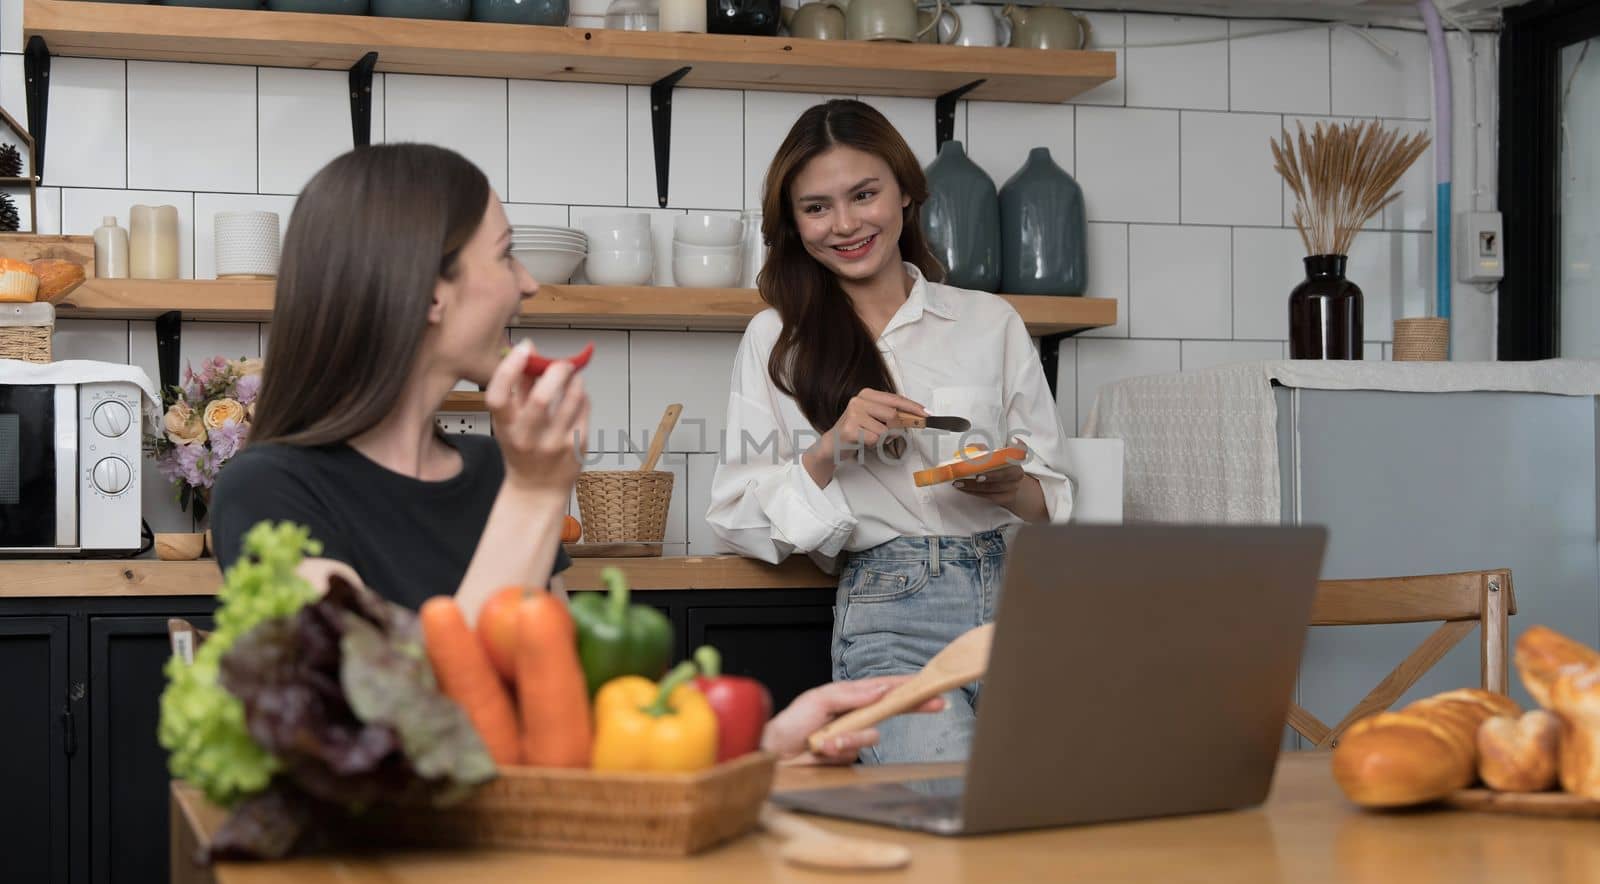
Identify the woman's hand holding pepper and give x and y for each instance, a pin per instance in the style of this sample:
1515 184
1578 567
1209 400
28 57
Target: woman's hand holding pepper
540 424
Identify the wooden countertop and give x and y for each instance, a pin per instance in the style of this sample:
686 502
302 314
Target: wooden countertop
1305 832
70 578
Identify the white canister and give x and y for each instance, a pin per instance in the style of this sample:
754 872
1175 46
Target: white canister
247 243
683 16
153 242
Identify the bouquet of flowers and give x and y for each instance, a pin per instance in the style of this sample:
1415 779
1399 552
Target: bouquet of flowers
207 421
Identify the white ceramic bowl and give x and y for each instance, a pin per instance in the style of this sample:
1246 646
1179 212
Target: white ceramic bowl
620 267
549 241
684 249
706 271
622 240
707 230
621 221
550 265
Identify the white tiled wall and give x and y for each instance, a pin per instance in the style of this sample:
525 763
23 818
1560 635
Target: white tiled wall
1190 228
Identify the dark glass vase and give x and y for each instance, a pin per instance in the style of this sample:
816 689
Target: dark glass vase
961 220
755 18
1325 312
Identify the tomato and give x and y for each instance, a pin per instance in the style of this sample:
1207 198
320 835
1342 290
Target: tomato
571 530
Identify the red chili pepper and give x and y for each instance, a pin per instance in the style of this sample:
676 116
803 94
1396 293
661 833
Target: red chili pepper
538 365
742 705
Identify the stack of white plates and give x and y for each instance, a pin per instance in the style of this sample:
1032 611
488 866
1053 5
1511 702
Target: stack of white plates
551 254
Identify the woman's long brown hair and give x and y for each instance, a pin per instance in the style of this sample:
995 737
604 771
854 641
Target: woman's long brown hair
825 355
370 236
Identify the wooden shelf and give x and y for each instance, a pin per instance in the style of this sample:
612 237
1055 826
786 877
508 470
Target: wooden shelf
557 306
413 46
85 578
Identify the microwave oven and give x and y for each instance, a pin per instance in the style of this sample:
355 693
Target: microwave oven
70 468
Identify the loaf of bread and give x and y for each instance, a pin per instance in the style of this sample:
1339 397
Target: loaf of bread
1418 754
57 277
1542 654
1519 755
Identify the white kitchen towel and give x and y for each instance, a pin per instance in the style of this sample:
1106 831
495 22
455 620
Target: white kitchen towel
1202 446
78 371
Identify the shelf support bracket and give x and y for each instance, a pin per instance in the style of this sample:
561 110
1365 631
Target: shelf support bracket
361 99
1050 358
36 72
944 113
661 127
169 339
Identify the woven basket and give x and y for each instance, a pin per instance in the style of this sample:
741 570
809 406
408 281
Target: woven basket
25 331
1421 339
633 814
624 506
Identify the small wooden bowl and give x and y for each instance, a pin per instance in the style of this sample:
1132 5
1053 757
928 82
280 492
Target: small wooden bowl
180 547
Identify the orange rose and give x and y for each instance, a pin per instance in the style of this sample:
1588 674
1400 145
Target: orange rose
221 411
183 426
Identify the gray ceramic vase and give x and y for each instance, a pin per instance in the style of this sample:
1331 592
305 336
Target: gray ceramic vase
962 220
521 12
1043 230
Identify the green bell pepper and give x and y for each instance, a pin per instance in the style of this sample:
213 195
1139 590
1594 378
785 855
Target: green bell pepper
615 638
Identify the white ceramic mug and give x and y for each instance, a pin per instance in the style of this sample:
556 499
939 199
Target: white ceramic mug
981 26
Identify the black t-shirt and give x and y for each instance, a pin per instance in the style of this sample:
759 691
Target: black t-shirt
409 539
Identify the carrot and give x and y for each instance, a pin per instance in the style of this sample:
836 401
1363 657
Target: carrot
551 692
467 677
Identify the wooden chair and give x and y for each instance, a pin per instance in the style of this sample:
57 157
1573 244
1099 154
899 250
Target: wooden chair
1463 601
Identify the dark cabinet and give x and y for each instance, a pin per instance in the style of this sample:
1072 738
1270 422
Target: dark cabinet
35 743
786 647
128 768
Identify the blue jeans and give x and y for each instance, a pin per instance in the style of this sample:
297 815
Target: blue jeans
900 603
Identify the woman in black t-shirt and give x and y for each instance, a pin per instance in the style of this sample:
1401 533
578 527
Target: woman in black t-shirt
397 282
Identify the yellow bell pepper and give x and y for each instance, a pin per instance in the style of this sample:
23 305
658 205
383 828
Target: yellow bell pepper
643 726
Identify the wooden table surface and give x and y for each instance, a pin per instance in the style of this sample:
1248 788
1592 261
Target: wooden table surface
1305 832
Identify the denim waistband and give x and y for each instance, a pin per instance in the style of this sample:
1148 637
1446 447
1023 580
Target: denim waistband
938 548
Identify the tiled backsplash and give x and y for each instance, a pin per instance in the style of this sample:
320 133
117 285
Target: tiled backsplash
1190 227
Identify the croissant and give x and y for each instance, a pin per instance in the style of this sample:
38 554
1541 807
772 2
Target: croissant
1419 754
1519 755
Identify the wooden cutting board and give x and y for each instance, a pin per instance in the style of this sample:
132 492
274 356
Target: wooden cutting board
612 550
1545 804
31 247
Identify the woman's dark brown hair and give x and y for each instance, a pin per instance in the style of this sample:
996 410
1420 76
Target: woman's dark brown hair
370 236
825 355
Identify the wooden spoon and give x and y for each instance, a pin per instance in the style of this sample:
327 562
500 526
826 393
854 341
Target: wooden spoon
963 661
669 419
817 848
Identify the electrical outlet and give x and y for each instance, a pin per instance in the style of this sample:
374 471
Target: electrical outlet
463 422
1479 250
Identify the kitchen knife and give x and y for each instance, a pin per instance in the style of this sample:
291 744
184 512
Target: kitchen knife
948 423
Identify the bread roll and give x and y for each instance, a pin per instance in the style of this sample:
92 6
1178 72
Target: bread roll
1575 698
56 277
1519 755
1542 653
1419 754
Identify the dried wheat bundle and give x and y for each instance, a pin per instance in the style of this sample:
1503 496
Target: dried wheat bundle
1341 175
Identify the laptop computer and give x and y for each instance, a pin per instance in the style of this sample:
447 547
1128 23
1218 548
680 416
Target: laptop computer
1136 671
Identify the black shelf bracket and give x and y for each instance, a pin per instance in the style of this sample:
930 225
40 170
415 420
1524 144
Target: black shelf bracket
361 99
169 339
36 70
1050 358
661 127
944 113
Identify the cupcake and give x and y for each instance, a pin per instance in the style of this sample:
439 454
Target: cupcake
18 282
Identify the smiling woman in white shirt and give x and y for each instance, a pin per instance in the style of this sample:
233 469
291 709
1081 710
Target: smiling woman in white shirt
860 328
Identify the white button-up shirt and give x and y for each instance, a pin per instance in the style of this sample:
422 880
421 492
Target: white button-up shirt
957 352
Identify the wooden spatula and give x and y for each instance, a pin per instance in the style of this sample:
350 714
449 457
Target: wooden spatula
963 661
669 419
817 848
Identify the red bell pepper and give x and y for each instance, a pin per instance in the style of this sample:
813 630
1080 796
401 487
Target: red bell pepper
742 705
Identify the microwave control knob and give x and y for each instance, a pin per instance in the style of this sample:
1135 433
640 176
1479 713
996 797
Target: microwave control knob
111 419
111 475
